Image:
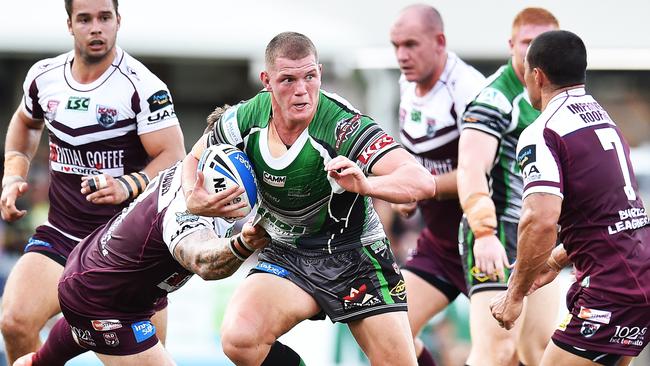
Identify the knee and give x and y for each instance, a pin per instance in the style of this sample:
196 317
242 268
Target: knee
15 325
240 343
504 351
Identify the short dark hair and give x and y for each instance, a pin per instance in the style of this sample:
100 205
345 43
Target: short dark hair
561 55
68 7
291 45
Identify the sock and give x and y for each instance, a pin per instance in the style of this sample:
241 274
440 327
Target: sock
281 355
425 358
521 364
59 347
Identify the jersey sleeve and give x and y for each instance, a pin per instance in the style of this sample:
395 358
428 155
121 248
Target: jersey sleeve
156 104
178 223
489 112
538 160
31 105
368 143
227 130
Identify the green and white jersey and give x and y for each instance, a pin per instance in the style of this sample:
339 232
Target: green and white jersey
301 206
503 110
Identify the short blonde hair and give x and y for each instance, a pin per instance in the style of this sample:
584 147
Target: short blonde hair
534 16
215 116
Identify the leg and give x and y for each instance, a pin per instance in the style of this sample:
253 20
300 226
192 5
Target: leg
257 315
159 320
491 344
154 356
538 323
29 300
424 302
554 356
59 348
385 338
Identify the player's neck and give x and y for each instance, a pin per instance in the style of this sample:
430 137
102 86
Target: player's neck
85 72
422 88
551 91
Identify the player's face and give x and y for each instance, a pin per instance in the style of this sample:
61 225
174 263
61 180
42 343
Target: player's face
418 50
521 40
94 25
295 86
534 91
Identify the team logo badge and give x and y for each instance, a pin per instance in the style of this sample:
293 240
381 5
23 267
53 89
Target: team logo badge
359 297
52 106
111 339
345 128
106 116
588 329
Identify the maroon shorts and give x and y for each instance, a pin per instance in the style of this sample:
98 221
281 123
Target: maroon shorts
115 337
51 243
438 262
596 324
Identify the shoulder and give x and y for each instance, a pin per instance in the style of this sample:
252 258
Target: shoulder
138 74
47 65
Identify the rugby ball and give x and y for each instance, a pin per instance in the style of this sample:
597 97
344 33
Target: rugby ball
224 166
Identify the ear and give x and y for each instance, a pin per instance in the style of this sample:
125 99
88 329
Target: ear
119 21
70 27
540 77
266 81
442 40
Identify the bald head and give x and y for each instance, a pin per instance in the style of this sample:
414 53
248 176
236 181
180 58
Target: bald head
426 15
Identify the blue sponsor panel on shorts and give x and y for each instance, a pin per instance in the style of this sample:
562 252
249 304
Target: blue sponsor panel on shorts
143 330
272 269
37 243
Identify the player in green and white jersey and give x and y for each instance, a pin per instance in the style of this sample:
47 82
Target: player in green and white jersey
318 162
490 188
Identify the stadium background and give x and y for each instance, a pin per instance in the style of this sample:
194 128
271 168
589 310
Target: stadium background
210 53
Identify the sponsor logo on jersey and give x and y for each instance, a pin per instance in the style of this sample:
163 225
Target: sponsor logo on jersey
107 324
345 128
629 335
78 104
416 116
379 144
379 246
106 116
50 113
73 161
494 98
359 297
111 339
174 281
527 155
565 322
479 275
185 227
83 336
185 216
37 243
143 330
274 180
600 316
399 291
159 100
588 329
167 179
161 116
272 269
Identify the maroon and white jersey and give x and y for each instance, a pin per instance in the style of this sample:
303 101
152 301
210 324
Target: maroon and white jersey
575 151
123 267
93 128
430 128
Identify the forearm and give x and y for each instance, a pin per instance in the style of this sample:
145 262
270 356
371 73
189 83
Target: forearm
21 143
446 186
207 255
188 177
536 239
410 182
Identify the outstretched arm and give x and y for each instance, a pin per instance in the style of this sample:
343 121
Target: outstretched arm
397 178
213 258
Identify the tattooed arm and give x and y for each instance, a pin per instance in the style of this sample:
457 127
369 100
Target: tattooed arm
212 257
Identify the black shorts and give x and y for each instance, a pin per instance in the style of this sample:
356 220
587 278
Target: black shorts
478 281
348 285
